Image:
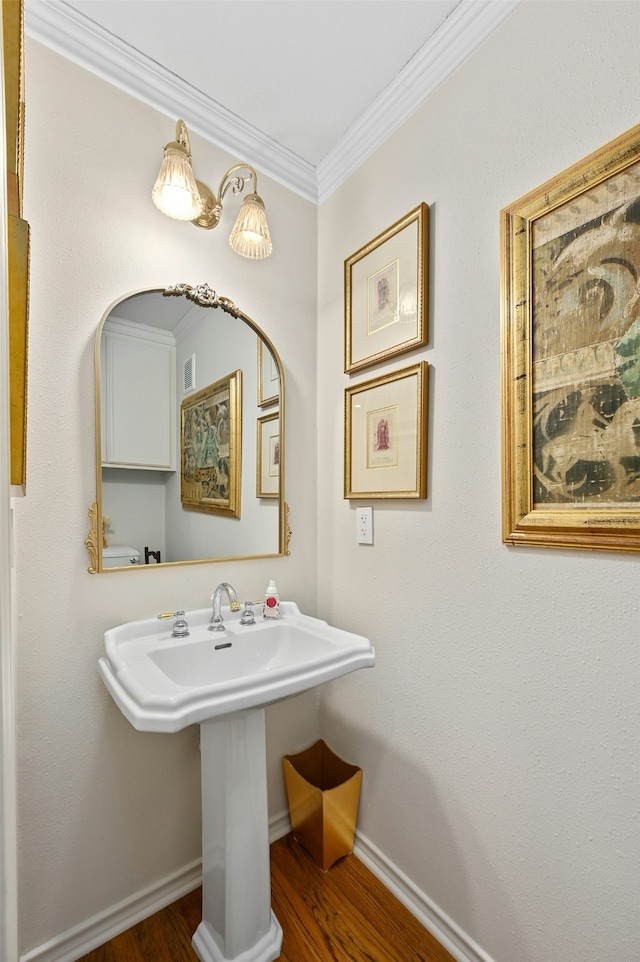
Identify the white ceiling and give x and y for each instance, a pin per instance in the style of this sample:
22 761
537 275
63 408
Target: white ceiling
301 72
303 89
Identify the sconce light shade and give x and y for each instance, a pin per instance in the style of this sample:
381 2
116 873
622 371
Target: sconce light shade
250 236
176 193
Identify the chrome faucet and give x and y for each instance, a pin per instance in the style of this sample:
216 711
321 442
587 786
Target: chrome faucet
217 622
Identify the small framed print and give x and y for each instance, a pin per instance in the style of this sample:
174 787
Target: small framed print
268 377
385 293
211 446
268 456
386 436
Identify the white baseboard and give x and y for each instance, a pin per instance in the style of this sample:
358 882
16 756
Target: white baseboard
460 945
83 938
279 826
88 935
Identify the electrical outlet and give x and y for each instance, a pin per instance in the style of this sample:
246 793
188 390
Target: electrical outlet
364 521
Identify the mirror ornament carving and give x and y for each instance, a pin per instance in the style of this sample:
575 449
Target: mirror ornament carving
164 430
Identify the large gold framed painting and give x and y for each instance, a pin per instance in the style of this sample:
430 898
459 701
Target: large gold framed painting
211 439
571 356
18 237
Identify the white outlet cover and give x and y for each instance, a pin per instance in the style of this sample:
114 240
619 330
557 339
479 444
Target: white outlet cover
364 523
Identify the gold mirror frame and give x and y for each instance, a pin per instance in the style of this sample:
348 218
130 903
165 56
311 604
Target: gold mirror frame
204 296
560 244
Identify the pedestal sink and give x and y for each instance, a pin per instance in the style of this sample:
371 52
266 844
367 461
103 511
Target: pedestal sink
223 681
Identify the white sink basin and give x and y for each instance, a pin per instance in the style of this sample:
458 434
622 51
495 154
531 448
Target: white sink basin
163 684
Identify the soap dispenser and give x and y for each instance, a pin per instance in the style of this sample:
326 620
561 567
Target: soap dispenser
271 607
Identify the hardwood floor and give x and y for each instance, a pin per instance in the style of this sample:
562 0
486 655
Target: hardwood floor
343 915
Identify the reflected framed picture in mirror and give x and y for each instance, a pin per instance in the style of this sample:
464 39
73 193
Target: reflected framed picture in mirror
268 456
268 377
210 446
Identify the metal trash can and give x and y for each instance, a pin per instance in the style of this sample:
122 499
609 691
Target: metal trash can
323 793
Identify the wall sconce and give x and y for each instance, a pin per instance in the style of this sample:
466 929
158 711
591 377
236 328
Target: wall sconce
178 194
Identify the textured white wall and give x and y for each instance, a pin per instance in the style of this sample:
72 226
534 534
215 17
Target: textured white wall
104 810
498 731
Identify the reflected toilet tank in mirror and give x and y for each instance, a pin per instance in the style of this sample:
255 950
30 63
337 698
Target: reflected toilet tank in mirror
189 432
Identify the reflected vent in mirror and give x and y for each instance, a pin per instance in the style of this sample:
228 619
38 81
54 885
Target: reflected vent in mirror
189 374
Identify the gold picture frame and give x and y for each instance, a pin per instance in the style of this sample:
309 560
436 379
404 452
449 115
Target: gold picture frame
385 293
18 238
211 447
268 377
570 263
385 452
268 456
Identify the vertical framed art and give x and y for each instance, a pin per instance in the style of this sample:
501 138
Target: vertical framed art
18 236
211 447
386 435
385 292
571 356
268 456
268 377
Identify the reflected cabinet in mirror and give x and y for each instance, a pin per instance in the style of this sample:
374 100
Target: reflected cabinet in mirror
189 434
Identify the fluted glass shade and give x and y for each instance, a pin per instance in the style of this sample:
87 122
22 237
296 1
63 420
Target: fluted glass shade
176 192
250 235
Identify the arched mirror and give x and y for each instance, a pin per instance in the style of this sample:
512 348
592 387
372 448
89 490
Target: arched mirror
189 434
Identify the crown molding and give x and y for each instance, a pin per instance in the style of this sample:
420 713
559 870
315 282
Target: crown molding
188 322
465 28
73 35
62 28
144 332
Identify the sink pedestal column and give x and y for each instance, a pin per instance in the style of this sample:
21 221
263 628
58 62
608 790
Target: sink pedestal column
237 921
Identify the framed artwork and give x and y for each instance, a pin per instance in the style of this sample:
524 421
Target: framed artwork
268 456
386 436
571 356
268 377
211 447
18 238
385 293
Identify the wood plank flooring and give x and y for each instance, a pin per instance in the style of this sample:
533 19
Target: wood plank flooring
343 915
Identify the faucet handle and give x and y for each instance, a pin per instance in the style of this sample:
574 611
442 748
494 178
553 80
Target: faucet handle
247 617
181 628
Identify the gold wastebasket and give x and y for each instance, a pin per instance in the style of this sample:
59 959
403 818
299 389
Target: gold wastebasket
323 792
